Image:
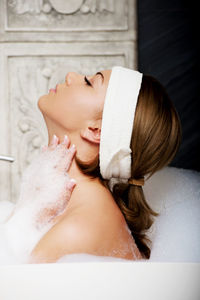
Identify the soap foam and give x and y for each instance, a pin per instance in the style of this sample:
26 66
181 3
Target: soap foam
175 234
43 195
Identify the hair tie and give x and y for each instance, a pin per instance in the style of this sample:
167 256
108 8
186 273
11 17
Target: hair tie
138 182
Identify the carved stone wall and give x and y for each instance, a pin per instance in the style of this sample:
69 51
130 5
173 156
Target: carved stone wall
40 41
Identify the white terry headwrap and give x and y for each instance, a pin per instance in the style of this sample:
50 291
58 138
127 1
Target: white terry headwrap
117 123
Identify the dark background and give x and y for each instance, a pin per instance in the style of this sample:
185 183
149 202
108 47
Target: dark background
168 49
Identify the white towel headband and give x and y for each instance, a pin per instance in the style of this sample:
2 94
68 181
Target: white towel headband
117 123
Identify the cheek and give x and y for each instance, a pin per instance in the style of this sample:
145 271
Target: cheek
70 110
65 111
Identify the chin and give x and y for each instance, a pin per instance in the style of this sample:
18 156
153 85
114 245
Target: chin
41 103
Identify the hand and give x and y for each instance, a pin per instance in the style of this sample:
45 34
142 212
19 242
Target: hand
46 187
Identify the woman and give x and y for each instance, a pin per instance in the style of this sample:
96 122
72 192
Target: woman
98 212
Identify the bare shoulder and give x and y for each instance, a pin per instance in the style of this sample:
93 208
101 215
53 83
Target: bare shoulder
66 237
96 226
97 211
81 230
97 199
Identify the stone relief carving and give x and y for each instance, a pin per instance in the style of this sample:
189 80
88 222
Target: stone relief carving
66 15
61 6
31 68
24 6
25 122
31 77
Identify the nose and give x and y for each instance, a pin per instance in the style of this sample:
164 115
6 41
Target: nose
71 77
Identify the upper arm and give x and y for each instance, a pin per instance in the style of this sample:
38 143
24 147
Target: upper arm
82 232
64 238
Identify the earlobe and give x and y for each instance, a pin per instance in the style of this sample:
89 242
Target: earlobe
92 135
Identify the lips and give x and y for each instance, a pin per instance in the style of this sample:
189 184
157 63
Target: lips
52 90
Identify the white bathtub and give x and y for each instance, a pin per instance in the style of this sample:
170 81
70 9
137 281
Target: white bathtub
101 281
172 273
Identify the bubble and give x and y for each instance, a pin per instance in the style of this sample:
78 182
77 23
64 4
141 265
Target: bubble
173 192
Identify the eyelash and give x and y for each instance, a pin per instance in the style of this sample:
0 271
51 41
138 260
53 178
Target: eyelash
87 81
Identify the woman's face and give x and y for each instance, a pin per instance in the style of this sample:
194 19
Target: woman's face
75 102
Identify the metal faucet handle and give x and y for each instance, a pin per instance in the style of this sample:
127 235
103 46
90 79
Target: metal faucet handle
6 158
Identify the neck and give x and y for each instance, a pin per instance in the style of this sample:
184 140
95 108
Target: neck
75 173
84 151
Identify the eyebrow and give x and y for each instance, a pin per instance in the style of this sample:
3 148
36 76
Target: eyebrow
101 76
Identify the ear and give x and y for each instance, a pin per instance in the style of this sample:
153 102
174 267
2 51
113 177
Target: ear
91 134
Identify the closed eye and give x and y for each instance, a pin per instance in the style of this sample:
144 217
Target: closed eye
87 81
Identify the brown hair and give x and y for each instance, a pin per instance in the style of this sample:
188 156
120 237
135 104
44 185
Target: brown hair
155 140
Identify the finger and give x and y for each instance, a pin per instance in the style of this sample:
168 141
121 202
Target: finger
44 148
69 187
66 141
61 148
54 142
65 158
70 155
71 184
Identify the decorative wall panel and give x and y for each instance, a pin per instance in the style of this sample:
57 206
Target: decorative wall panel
71 20
81 36
74 15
